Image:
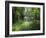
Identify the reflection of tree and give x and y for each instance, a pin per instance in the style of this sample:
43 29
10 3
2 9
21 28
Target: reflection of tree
26 18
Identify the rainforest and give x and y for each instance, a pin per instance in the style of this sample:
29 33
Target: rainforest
25 18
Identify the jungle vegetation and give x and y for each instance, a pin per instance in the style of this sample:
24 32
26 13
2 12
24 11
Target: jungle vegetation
25 18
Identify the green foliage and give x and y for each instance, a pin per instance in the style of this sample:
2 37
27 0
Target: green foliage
25 18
